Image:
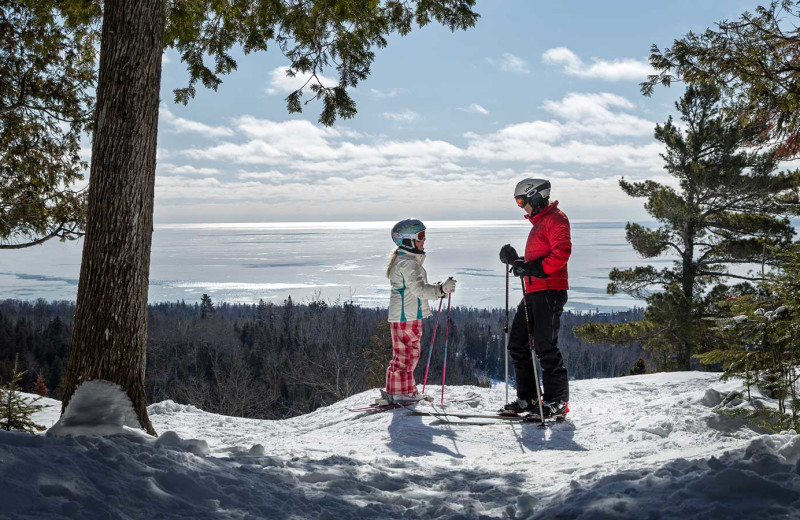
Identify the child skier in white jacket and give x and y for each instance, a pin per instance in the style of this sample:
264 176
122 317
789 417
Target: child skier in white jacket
408 305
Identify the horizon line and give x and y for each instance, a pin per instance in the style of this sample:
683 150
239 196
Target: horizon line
364 224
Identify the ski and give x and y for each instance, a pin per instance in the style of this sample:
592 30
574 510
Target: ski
381 404
466 398
375 408
507 417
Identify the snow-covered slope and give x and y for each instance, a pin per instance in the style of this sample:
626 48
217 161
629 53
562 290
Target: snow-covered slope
636 447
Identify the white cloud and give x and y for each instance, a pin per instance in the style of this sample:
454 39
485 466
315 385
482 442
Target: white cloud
476 109
578 106
393 92
498 147
293 129
406 116
599 114
180 125
313 150
272 142
563 56
510 63
539 131
480 195
85 152
615 70
272 175
314 159
335 193
281 83
588 133
187 169
588 136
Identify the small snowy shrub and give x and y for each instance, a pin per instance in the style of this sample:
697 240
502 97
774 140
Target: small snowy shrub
15 409
762 343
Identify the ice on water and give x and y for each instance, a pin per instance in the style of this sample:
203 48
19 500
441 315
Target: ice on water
329 260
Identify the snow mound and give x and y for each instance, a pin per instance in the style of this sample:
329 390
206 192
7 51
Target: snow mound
97 408
760 481
171 407
197 446
711 398
257 451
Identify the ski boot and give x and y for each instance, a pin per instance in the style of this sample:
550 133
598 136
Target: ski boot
517 407
553 410
400 399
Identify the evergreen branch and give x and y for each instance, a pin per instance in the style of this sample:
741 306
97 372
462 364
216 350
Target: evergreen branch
61 231
729 275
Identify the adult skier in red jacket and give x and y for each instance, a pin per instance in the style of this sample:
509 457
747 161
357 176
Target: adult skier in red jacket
543 269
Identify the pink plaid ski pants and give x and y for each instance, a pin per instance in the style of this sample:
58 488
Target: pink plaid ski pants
406 337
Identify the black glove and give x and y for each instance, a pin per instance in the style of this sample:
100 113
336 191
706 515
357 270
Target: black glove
534 268
508 254
519 268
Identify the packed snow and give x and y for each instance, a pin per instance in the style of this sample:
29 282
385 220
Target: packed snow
97 408
643 447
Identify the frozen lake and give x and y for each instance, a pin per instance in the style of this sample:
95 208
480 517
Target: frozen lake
333 261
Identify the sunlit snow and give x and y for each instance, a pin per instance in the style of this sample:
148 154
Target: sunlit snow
649 446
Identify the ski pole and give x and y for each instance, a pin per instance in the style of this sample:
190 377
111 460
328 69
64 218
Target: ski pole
533 354
430 350
446 334
506 330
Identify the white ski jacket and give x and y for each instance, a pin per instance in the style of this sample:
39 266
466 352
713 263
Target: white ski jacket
410 288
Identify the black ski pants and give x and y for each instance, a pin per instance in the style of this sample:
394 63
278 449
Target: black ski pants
544 310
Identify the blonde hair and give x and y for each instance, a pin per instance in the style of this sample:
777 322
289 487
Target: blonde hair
391 263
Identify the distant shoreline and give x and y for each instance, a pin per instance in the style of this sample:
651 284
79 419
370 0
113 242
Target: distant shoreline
304 302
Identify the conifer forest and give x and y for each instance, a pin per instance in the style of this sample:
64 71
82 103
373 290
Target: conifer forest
281 360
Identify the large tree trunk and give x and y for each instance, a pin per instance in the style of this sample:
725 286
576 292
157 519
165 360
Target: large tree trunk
110 335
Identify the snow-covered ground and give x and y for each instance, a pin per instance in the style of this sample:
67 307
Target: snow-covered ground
640 447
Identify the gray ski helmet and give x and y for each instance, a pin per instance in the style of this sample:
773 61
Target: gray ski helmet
532 191
406 231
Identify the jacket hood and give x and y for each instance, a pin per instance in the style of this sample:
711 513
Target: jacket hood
419 257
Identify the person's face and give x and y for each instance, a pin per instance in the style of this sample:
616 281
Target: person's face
420 244
528 209
522 203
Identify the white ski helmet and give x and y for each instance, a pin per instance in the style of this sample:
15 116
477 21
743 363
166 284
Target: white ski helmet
406 231
532 191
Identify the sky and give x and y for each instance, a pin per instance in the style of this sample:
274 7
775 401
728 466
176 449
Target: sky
447 123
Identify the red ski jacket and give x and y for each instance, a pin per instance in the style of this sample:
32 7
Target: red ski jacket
549 239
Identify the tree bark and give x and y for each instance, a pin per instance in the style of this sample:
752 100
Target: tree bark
110 335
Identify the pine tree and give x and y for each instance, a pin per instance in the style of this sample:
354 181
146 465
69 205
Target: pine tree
762 342
262 313
206 306
47 66
753 60
110 333
15 409
726 210
41 387
638 368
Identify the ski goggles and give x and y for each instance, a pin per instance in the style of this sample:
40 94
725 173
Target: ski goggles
521 201
419 235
